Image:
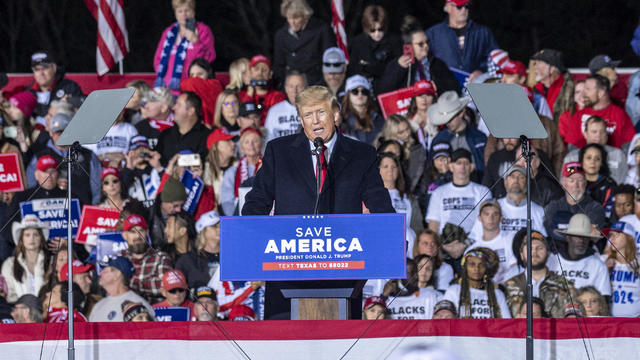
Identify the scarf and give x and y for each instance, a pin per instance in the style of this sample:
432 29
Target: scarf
160 124
178 61
242 172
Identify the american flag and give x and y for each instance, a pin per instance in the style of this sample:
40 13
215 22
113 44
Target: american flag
337 23
113 40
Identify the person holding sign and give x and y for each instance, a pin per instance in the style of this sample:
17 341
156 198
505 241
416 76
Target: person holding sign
174 289
287 175
24 271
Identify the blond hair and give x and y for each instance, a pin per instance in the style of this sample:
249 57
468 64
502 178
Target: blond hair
295 8
236 69
218 112
178 3
313 95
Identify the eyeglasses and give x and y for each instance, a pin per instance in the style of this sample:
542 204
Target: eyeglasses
336 65
376 30
421 43
114 181
229 103
359 91
177 291
465 6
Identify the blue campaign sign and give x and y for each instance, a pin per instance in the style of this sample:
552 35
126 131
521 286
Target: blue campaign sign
306 247
461 75
54 212
194 187
172 313
109 245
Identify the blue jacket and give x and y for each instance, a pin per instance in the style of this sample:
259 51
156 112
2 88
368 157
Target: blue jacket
478 43
476 140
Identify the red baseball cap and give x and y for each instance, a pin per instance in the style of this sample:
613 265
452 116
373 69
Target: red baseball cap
571 168
134 220
424 87
260 58
242 312
512 67
251 129
374 300
46 162
459 2
174 279
217 135
110 171
77 267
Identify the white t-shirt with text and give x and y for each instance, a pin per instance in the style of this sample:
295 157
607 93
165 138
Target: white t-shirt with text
479 302
590 270
450 203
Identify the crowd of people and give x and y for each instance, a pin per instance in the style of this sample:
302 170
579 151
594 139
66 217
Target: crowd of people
463 190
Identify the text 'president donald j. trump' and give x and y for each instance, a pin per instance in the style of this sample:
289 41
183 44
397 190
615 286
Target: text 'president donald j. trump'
287 179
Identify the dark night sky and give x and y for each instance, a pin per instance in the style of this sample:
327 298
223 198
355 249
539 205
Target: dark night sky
581 29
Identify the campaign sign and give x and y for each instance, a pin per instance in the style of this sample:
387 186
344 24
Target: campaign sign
172 313
460 75
109 245
54 212
395 102
308 247
194 187
95 220
11 179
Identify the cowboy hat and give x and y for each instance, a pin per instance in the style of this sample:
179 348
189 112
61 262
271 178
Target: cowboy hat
29 221
448 105
579 225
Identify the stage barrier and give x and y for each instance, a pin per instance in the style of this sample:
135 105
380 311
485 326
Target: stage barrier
496 339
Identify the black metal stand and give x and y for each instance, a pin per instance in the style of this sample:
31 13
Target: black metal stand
526 152
72 157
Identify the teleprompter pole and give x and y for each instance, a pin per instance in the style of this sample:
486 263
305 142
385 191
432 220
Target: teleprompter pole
526 152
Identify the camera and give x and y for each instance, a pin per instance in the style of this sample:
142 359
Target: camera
262 83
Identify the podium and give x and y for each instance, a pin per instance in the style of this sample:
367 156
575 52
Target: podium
315 265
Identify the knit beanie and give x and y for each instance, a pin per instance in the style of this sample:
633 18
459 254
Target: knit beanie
173 190
25 101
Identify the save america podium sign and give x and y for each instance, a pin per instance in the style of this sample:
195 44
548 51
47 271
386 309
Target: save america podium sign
312 247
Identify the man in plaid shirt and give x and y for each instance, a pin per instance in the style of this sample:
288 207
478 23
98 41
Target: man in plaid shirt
149 263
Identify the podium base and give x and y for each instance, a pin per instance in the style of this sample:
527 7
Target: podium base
320 309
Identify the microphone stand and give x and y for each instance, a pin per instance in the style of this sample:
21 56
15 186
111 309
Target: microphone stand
319 144
72 157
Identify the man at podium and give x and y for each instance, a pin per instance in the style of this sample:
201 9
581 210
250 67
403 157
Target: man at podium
286 182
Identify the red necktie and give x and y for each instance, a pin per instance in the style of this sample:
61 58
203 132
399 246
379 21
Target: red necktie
323 164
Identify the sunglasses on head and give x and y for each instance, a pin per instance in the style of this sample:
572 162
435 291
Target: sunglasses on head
573 169
376 30
359 91
177 291
328 64
465 6
114 181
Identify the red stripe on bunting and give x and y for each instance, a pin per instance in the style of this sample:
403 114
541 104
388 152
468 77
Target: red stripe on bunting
547 329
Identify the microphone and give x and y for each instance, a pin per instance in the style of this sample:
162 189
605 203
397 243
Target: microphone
318 143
